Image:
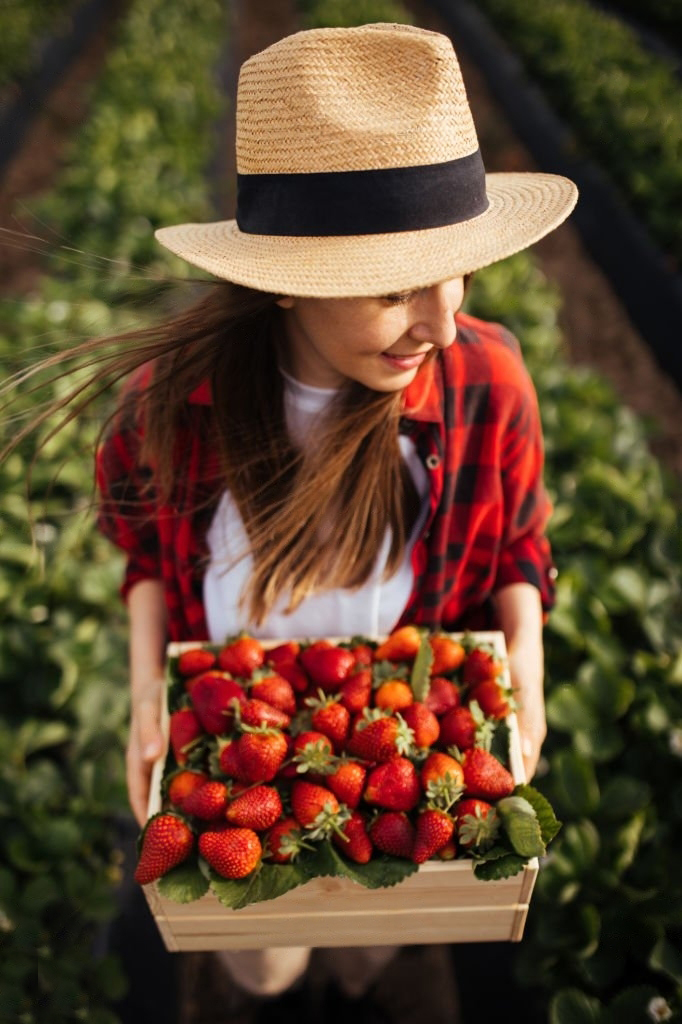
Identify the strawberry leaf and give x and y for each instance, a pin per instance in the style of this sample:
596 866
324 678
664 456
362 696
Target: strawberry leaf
379 873
183 884
267 883
420 680
549 826
521 824
384 670
501 867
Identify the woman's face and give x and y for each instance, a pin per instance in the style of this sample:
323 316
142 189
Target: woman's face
379 342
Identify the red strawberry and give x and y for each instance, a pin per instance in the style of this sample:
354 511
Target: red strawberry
327 665
448 654
195 661
241 657
393 833
479 665
311 751
309 801
423 724
401 645
232 852
284 841
275 690
476 821
292 671
212 697
208 802
393 785
331 718
363 654
259 712
181 784
491 698
485 776
167 840
282 653
356 691
185 729
347 782
458 729
211 673
257 808
261 754
442 695
434 830
442 779
228 758
380 740
352 839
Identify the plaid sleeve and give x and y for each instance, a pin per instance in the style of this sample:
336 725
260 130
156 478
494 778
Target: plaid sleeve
525 554
126 510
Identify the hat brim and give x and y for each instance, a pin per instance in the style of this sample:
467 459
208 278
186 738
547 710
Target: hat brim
523 207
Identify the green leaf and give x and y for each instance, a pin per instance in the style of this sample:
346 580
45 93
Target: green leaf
568 709
383 670
571 1006
501 867
183 884
549 825
575 783
667 958
623 795
381 872
520 822
631 1006
420 678
266 883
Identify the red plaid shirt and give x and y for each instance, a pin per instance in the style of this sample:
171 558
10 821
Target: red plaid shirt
473 416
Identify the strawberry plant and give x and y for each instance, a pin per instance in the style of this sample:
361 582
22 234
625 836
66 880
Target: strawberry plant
323 788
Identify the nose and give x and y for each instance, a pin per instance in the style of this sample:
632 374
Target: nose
434 313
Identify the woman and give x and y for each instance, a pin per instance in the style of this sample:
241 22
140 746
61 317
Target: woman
325 445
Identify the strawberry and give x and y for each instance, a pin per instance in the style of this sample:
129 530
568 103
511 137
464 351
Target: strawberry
294 674
393 833
356 691
393 785
347 782
327 665
282 653
208 802
232 852
363 654
352 839
167 840
180 784
485 776
311 751
458 729
212 696
228 758
259 712
434 830
448 654
491 698
477 822
261 753
184 729
393 695
442 779
258 808
381 739
401 645
449 851
309 802
423 724
331 718
277 691
241 657
195 661
479 665
442 695
211 673
284 841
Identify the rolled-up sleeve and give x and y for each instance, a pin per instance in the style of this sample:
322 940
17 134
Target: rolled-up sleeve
525 553
126 512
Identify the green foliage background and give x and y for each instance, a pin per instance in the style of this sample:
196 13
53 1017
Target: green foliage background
604 935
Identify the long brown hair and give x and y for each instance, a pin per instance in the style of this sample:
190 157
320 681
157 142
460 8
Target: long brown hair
315 518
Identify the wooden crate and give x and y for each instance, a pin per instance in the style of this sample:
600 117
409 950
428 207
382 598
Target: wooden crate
442 902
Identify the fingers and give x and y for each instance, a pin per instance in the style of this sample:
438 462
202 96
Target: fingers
145 746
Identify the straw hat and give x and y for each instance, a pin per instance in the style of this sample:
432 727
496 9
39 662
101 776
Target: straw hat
359 172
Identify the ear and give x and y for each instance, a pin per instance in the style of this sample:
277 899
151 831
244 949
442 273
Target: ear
286 302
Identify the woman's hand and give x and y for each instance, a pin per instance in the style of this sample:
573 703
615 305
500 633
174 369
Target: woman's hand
145 744
520 613
147 613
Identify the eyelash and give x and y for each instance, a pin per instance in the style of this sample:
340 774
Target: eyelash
399 298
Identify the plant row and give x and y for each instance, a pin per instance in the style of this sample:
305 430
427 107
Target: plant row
24 29
139 160
623 104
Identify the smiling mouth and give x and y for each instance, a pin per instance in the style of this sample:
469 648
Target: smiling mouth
406 362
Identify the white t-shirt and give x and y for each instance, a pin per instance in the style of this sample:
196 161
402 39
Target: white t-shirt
371 610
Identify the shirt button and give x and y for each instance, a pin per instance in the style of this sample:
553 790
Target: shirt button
433 461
